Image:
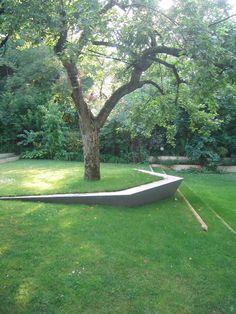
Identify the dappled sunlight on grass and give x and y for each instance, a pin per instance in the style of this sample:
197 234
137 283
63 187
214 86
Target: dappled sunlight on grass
52 174
7 180
47 177
32 207
3 249
66 224
47 180
24 293
38 185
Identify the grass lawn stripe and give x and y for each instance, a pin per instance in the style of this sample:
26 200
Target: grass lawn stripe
213 211
195 213
215 190
195 180
198 217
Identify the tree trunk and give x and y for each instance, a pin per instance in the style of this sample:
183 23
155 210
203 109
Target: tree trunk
91 153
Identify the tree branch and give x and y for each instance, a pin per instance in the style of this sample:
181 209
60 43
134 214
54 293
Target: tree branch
174 52
87 31
77 95
176 74
159 49
222 20
60 45
107 44
114 99
71 69
141 64
171 66
150 82
99 54
122 91
104 43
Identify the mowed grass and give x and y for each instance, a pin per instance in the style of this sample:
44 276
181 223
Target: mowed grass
32 177
83 259
102 259
211 193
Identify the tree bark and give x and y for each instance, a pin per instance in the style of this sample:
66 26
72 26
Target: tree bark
91 151
88 125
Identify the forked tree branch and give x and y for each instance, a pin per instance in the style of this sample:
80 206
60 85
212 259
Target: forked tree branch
118 95
172 67
140 65
70 66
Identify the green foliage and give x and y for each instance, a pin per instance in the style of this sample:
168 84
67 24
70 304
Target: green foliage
196 116
54 141
31 120
203 150
35 154
53 131
119 145
26 90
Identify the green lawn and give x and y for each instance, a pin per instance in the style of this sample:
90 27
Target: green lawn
27 177
101 259
213 192
210 192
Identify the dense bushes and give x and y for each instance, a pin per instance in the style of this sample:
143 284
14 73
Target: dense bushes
55 140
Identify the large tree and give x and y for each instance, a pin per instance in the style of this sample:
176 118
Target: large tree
132 37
